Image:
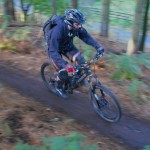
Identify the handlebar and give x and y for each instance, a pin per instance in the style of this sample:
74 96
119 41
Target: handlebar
96 57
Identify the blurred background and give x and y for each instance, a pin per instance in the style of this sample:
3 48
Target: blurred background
118 20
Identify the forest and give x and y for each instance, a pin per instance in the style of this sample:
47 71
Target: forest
34 118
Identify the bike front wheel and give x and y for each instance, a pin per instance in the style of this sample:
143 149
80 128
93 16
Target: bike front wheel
47 74
105 103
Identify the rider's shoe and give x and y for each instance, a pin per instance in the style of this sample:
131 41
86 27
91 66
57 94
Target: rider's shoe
60 90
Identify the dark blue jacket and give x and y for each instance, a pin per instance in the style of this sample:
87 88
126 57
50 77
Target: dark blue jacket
61 41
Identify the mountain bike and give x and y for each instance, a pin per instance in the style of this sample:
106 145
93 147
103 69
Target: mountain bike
102 99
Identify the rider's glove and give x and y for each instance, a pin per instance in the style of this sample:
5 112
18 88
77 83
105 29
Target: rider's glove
100 52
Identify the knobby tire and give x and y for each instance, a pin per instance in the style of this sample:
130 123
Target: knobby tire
101 104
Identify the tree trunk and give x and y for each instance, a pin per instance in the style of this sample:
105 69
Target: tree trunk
9 10
145 20
53 7
25 9
105 17
133 42
24 13
75 4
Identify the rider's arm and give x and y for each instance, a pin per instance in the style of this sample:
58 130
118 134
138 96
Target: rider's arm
54 41
86 37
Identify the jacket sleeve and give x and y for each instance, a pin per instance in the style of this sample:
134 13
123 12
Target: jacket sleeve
86 37
53 43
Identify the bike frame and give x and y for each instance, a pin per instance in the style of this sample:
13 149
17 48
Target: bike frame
90 76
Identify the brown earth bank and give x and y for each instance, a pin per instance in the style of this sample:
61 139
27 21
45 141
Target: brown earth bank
28 120
29 126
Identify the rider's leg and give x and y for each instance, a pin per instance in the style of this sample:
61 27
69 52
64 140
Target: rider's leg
61 78
76 56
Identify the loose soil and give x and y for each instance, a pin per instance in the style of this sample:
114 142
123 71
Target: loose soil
23 118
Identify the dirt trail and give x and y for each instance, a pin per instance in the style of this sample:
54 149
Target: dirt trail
129 131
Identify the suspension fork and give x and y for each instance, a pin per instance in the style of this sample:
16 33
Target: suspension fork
90 80
94 76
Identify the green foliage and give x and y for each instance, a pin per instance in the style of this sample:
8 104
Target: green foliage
61 6
122 16
130 67
137 90
119 15
6 44
21 34
44 6
124 23
21 146
11 35
126 67
143 60
74 141
147 147
87 54
134 87
4 24
14 48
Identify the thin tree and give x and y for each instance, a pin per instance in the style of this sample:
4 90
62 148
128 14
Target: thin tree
105 17
53 6
9 10
137 23
145 20
75 4
25 8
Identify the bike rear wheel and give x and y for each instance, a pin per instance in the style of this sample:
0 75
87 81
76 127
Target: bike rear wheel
105 103
47 74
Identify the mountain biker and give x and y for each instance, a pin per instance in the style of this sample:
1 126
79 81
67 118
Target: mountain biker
60 42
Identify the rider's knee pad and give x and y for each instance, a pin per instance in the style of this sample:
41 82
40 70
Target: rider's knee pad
63 75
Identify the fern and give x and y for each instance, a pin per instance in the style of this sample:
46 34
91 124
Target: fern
127 67
134 87
55 143
21 34
143 59
74 141
147 147
21 146
65 143
137 90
